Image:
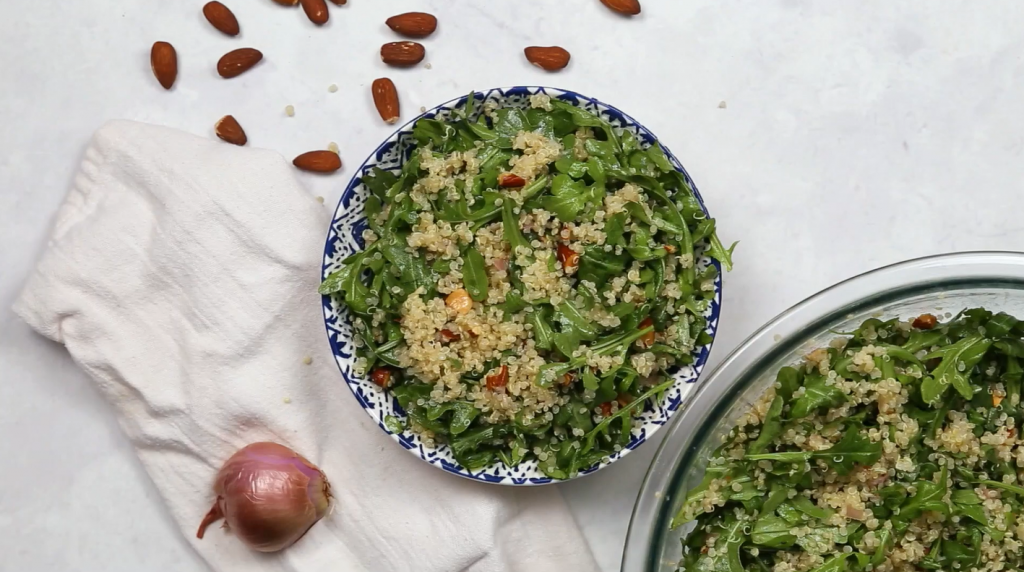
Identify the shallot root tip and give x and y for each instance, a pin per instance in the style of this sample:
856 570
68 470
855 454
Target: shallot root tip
211 517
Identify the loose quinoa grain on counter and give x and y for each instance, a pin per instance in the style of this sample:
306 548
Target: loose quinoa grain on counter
894 448
529 279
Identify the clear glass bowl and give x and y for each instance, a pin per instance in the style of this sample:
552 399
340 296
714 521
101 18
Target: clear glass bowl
938 284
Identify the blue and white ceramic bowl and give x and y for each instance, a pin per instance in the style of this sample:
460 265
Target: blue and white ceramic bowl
345 238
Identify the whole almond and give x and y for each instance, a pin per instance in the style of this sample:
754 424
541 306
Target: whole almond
287 2
318 161
237 62
229 130
219 16
551 58
316 11
385 97
627 7
164 60
413 24
402 54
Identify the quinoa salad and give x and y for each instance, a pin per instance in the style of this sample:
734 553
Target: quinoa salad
529 281
895 448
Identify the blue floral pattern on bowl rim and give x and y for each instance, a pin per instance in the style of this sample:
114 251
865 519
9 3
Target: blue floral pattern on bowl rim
345 238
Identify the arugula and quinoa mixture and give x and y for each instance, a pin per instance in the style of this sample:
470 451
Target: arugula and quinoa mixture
529 280
895 448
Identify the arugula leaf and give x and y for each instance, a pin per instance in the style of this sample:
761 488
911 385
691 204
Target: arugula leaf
658 157
816 394
510 226
1004 486
394 424
924 339
460 212
348 281
508 122
569 316
599 266
727 550
957 362
584 118
788 380
835 564
853 449
1012 347
770 429
819 540
614 228
807 506
414 270
462 417
379 181
474 275
929 497
543 333
470 440
567 341
885 543
433 132
1000 325
772 531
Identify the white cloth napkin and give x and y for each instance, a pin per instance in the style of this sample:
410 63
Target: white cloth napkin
182 275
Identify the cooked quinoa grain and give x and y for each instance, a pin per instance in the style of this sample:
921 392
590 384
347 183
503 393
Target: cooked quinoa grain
528 283
894 449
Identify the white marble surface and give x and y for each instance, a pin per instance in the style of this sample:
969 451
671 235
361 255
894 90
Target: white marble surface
854 134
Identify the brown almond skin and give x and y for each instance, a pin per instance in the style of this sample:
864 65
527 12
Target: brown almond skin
413 24
164 60
385 97
551 58
287 2
316 11
228 129
626 7
318 161
402 54
220 17
925 322
339 2
237 62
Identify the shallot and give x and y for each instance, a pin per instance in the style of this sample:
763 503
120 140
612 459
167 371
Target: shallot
269 496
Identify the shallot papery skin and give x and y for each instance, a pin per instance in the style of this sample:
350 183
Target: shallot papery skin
269 496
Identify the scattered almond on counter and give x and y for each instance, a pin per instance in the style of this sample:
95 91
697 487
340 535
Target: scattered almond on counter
316 11
627 7
385 97
551 58
220 17
237 62
413 24
164 59
402 54
318 161
228 129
